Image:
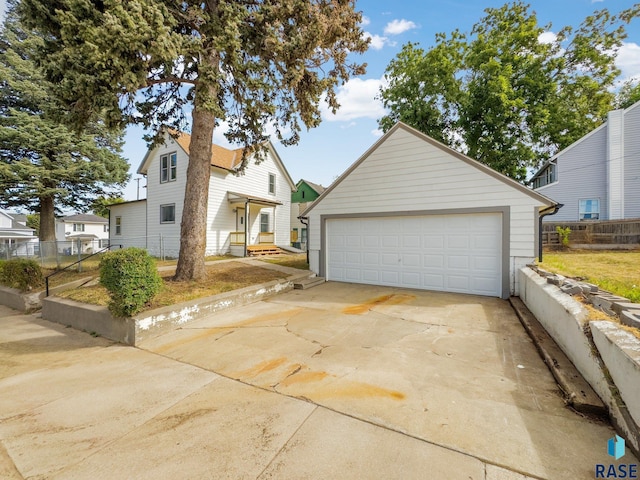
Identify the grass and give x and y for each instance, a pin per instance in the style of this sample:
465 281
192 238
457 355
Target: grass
222 277
298 260
615 271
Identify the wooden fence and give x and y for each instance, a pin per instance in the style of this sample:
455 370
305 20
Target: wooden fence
613 232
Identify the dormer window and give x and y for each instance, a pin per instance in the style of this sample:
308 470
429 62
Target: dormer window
272 184
168 167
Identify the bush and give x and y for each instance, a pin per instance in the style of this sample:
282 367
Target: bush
22 274
564 235
131 277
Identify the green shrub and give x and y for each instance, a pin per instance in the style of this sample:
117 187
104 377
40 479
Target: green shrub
22 274
564 235
131 277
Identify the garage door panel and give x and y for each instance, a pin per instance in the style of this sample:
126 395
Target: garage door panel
458 253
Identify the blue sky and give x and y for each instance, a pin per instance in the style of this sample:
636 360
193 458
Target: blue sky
325 152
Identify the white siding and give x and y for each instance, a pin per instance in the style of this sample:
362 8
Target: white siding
133 224
406 173
221 219
582 174
615 164
632 162
5 220
165 194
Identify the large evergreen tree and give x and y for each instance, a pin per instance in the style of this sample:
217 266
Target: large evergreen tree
44 165
508 93
249 62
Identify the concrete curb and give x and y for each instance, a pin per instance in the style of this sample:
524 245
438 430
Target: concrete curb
131 331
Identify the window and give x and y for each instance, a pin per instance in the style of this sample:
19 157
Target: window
272 184
118 225
168 167
78 227
168 213
546 177
105 228
589 209
302 193
264 222
303 238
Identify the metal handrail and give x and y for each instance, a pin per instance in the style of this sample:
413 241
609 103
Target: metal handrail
46 279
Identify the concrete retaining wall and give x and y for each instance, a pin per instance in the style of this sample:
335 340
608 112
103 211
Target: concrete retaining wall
620 351
131 331
565 319
27 302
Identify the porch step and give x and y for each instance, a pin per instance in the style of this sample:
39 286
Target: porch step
308 283
576 390
261 250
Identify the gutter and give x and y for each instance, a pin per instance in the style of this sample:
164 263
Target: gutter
552 210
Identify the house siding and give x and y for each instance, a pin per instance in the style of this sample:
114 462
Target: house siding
254 182
405 173
584 161
632 162
133 224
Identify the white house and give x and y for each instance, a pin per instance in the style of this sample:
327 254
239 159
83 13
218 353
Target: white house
245 211
412 212
83 232
598 176
16 238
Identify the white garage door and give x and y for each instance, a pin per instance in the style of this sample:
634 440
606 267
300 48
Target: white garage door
452 253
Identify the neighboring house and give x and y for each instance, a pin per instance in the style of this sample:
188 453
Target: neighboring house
84 233
245 211
597 177
414 213
306 192
16 239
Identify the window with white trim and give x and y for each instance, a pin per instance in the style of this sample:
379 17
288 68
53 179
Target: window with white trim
168 213
168 167
272 184
78 227
589 209
118 225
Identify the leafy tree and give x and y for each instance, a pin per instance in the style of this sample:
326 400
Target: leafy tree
99 205
45 165
628 95
33 221
249 62
504 93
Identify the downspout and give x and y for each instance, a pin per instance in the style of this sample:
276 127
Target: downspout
547 211
246 222
302 220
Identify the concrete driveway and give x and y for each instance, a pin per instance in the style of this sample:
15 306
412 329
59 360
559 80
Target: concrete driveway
339 381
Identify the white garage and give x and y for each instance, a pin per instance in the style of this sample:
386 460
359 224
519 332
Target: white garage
455 253
411 212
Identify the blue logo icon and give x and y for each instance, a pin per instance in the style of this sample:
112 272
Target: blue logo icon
615 447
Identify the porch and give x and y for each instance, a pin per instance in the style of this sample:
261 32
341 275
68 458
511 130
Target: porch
255 225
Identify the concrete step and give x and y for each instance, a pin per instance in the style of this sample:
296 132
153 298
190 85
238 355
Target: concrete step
576 390
308 283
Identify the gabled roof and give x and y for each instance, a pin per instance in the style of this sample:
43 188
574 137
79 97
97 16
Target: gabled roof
221 157
83 218
314 186
474 163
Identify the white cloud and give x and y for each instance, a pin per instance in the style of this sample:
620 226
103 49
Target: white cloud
357 99
396 27
365 21
596 1
628 60
377 42
377 133
547 37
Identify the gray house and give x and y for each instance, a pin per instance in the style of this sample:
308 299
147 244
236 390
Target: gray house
598 176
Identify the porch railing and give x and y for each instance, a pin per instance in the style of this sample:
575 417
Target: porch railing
266 237
236 238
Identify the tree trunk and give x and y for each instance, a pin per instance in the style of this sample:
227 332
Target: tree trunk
47 220
193 229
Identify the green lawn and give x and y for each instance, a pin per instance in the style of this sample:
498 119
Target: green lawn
615 271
